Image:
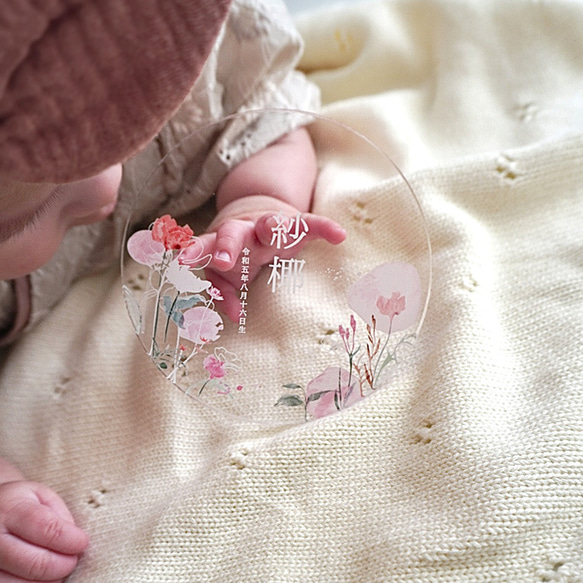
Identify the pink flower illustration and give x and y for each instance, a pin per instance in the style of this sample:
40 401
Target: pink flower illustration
215 293
201 325
143 249
347 338
214 366
388 297
331 391
167 231
392 306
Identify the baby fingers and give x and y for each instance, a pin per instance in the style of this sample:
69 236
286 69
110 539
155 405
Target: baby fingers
325 228
231 237
21 559
40 525
38 539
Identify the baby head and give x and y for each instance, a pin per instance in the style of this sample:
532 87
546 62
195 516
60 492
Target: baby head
35 217
83 86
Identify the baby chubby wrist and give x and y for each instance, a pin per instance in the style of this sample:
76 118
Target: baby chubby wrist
251 206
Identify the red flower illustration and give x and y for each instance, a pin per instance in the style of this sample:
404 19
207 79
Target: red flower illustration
166 230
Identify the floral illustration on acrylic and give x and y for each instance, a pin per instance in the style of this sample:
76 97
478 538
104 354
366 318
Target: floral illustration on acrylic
185 322
178 317
387 300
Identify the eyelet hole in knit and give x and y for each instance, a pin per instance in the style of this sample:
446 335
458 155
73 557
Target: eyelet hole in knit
558 571
61 387
506 167
423 435
326 335
238 459
526 112
469 283
97 497
360 213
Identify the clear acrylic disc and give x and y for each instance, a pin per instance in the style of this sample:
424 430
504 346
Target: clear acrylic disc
317 332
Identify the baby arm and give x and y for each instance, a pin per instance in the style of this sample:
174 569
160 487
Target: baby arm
279 182
38 537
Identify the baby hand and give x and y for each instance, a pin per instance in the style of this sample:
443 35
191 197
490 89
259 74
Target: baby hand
253 222
38 537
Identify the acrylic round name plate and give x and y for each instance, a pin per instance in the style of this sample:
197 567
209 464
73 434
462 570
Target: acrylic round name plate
320 326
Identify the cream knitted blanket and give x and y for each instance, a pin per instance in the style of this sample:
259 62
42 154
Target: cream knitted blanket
469 466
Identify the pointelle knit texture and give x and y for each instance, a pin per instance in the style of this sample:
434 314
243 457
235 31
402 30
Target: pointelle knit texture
469 466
